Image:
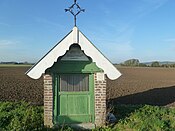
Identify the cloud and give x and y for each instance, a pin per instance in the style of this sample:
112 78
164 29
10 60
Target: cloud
170 40
116 42
149 6
12 50
4 24
8 44
123 48
5 42
118 52
155 2
159 3
171 44
48 22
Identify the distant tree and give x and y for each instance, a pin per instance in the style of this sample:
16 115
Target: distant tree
132 62
166 65
172 65
155 64
142 65
122 64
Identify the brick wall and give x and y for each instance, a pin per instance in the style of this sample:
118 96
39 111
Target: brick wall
48 100
100 101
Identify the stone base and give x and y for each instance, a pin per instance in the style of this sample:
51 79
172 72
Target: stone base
83 126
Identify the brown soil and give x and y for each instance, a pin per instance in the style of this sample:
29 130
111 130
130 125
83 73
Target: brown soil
15 86
155 86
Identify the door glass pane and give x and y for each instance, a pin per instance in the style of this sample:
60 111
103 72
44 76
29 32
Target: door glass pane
70 82
74 82
64 83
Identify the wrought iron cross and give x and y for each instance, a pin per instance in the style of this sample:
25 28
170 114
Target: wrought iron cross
75 9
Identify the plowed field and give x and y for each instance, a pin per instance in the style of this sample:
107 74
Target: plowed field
15 86
155 86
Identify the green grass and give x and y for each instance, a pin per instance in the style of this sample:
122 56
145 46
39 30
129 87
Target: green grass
22 116
144 118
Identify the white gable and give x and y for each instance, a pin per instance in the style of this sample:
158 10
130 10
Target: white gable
75 36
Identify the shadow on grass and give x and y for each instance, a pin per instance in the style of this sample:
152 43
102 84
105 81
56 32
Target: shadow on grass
125 105
123 111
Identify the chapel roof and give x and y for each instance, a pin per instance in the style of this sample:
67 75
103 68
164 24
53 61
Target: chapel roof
75 36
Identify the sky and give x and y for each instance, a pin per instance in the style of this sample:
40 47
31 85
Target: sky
120 29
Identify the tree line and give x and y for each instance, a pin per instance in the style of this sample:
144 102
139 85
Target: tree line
136 63
17 63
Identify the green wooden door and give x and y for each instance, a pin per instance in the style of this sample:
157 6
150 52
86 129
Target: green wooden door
74 98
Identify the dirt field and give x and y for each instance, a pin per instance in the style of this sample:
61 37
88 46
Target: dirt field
155 86
15 86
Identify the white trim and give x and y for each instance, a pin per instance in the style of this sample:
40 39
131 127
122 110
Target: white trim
60 49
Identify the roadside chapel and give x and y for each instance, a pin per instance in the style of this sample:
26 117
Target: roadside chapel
74 73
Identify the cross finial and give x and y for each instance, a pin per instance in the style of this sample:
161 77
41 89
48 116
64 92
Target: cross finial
75 9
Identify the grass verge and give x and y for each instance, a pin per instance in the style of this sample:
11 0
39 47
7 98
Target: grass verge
144 118
22 116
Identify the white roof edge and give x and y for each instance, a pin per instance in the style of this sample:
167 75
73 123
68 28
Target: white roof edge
36 71
101 61
75 36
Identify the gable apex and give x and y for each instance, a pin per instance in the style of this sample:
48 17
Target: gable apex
73 37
